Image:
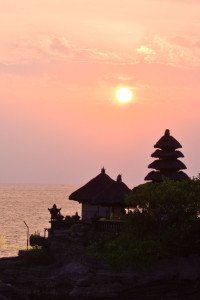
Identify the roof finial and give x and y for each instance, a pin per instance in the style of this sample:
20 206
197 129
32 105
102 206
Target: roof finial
103 171
167 132
119 178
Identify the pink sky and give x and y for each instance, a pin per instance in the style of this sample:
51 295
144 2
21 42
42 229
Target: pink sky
60 64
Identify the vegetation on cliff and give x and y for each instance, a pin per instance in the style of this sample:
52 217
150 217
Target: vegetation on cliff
164 223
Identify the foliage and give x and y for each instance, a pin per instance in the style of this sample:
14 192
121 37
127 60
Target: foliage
38 255
37 240
168 199
165 223
126 251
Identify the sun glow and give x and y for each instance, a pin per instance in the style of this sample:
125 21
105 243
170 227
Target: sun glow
124 95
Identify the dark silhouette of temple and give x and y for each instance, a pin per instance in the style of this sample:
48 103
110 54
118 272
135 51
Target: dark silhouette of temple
102 197
167 164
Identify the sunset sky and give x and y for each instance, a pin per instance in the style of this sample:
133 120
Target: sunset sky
61 62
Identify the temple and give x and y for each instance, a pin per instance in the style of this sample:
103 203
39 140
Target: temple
113 197
167 164
102 197
103 200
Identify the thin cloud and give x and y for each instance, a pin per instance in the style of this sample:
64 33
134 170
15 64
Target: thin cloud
184 1
180 1
176 52
53 48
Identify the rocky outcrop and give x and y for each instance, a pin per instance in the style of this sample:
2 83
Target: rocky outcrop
72 275
173 279
8 292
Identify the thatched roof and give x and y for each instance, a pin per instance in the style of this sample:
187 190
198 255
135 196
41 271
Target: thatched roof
113 195
167 154
167 142
92 188
158 176
159 164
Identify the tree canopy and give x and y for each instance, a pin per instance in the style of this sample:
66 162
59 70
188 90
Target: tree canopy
168 198
164 223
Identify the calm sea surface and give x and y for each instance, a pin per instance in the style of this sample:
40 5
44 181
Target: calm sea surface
29 203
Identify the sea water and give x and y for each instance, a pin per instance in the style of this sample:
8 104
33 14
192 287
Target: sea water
29 203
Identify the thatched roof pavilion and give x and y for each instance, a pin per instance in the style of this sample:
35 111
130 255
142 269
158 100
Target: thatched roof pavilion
91 189
113 195
102 197
167 165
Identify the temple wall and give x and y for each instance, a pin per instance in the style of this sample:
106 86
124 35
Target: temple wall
91 211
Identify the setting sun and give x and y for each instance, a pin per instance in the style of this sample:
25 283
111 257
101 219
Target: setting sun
124 95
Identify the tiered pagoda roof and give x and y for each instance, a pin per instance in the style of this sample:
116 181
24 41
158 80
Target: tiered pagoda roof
167 165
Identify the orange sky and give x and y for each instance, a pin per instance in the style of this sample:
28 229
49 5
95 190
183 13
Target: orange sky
60 64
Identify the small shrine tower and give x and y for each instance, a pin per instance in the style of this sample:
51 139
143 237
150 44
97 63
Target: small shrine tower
167 164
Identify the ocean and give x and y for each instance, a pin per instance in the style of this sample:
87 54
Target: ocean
29 203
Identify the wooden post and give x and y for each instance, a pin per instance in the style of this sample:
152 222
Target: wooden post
27 235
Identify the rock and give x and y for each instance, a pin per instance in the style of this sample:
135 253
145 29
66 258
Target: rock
71 272
78 277
7 292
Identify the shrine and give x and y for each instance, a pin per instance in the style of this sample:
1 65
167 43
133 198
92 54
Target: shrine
167 164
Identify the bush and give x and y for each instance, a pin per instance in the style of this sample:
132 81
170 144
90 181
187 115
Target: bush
165 224
125 251
37 240
38 255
